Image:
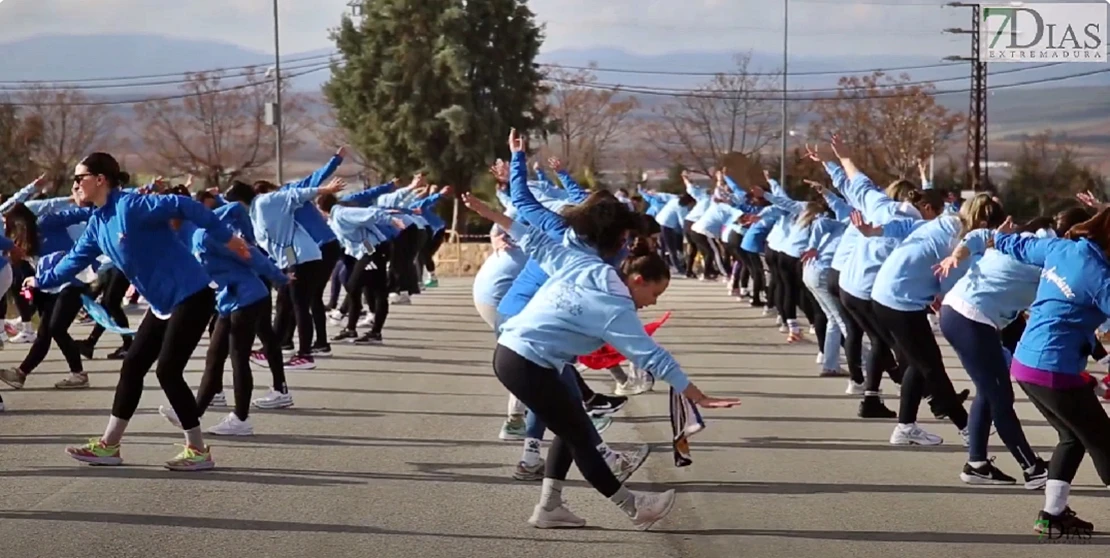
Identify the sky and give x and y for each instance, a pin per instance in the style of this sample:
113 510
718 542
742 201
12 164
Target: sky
840 27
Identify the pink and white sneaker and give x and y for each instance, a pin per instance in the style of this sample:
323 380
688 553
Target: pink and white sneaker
301 363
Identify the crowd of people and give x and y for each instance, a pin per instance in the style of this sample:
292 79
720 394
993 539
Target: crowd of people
876 273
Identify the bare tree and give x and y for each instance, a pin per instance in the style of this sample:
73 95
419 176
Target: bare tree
588 117
892 122
18 140
217 130
327 130
731 113
69 127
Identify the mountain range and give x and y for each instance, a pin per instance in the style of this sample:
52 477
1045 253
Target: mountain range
1042 98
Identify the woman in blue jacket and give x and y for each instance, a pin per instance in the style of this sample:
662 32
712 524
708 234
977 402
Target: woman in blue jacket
976 315
57 307
1073 299
584 305
134 232
243 308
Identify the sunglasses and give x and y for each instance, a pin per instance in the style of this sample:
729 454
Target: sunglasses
79 177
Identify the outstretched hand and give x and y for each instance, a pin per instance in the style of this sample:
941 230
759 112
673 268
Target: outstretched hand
478 206
864 227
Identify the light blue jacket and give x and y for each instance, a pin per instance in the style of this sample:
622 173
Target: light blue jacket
581 308
1073 298
307 215
863 257
134 232
359 228
755 238
702 199
997 285
276 228
824 236
906 280
672 214
238 281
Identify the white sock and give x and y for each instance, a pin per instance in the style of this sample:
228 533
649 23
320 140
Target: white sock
977 464
551 495
1056 496
531 454
114 433
194 438
625 500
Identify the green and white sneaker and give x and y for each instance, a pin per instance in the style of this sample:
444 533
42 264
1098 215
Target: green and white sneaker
601 423
192 459
96 452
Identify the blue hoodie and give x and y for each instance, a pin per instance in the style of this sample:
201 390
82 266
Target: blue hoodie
54 228
906 280
996 285
278 232
584 306
236 216
134 232
824 237
307 216
755 239
672 214
867 254
359 228
1073 299
716 219
238 283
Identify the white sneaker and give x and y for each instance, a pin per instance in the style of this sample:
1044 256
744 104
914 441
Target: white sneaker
23 337
913 435
403 299
218 400
784 328
336 315
812 330
274 400
635 385
366 320
651 507
820 357
854 388
168 414
558 518
1 406
624 464
966 437
232 426
767 311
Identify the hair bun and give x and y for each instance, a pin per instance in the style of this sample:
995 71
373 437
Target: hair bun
123 178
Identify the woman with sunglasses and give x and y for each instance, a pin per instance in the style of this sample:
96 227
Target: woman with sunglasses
134 232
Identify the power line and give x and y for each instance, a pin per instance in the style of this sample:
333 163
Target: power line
816 90
176 74
52 86
710 74
167 97
725 97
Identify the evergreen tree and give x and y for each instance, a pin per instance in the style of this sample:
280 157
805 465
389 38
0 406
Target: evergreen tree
436 85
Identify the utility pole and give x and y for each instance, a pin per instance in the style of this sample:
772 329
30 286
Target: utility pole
276 111
785 64
977 173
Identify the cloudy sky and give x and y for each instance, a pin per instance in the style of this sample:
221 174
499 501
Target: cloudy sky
837 27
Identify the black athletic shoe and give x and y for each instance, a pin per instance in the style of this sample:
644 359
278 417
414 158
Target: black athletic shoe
321 350
603 405
118 354
1037 479
872 407
961 398
987 474
369 339
345 336
1066 523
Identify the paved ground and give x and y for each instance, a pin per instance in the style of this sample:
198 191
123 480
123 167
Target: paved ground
392 452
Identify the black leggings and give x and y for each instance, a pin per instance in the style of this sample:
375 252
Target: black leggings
700 245
402 267
294 304
169 343
234 336
26 309
331 251
774 286
914 338
672 245
540 389
430 249
112 300
371 284
740 278
271 345
753 265
791 273
56 313
853 336
880 359
1081 424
